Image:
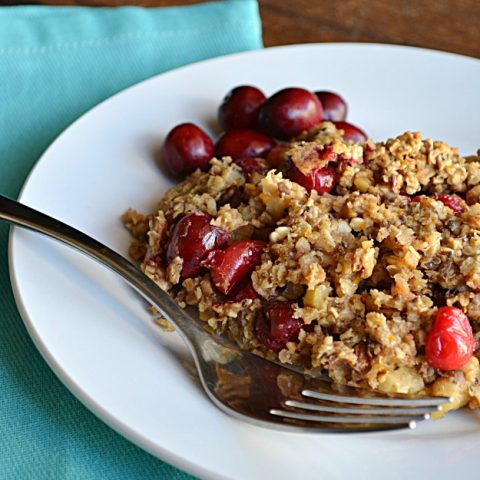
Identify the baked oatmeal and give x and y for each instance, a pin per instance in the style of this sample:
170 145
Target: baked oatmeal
339 256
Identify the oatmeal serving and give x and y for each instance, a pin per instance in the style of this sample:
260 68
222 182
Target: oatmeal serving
326 250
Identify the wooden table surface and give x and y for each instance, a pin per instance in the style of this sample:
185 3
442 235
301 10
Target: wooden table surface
449 25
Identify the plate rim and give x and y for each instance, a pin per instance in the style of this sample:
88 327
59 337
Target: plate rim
160 452
93 406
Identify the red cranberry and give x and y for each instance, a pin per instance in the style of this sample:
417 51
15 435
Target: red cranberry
275 325
277 156
289 112
240 108
351 132
186 148
450 342
244 291
320 179
192 239
242 144
334 106
230 266
251 165
451 201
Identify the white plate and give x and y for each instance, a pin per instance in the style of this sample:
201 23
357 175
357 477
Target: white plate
84 320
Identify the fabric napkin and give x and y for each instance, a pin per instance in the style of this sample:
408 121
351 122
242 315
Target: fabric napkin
55 64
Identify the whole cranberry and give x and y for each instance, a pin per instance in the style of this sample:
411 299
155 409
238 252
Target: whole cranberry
240 107
334 106
186 148
452 201
351 132
289 112
276 326
192 239
243 144
320 179
450 342
230 266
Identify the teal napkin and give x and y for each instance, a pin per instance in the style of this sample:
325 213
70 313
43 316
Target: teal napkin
55 64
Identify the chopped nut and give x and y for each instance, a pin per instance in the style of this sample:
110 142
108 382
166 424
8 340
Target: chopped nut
165 324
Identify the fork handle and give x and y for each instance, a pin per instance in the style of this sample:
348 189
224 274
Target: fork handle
24 216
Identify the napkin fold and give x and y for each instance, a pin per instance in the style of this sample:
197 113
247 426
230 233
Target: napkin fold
55 64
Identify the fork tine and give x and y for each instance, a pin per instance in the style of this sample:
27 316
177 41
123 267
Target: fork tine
378 401
405 411
382 420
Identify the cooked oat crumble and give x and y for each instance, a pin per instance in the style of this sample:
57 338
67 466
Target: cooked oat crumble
364 268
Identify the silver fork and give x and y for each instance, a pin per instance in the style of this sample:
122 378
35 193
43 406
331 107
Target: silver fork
239 383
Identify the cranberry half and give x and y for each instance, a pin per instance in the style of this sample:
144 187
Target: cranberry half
334 106
244 290
240 108
320 179
276 326
230 266
452 201
192 239
186 148
289 112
